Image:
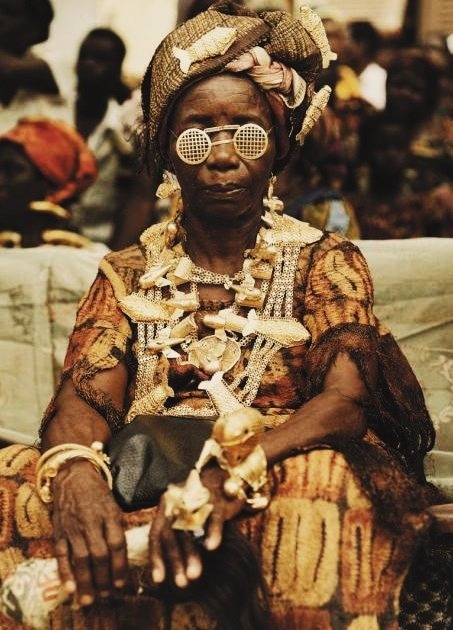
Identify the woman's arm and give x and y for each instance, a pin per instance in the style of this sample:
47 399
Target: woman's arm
335 413
88 533
75 420
89 538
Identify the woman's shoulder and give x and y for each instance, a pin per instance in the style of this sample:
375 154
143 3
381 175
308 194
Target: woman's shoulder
289 229
124 267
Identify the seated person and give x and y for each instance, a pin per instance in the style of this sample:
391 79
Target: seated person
321 170
43 164
309 504
389 203
27 84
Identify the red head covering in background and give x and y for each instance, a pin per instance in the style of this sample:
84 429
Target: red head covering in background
58 152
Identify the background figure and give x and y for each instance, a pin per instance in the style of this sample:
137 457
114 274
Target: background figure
98 115
347 107
43 164
387 205
27 84
365 41
413 92
312 186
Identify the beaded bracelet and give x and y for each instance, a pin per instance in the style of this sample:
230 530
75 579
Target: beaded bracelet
52 460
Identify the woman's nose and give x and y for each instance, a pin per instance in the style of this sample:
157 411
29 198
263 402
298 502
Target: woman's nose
223 154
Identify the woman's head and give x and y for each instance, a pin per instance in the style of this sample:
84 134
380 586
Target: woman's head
20 183
281 54
222 146
42 160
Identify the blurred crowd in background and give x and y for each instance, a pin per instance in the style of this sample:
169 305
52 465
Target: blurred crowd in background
379 165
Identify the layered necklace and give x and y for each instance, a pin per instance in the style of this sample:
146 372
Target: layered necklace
260 318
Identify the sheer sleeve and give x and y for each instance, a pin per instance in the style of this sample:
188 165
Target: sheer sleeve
100 340
338 312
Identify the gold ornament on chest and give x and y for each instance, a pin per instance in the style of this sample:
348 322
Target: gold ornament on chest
261 318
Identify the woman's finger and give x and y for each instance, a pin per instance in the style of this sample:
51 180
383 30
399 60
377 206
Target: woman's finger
81 565
64 566
174 556
156 559
214 530
191 555
116 541
100 564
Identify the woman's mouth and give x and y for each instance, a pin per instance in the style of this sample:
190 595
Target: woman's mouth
226 190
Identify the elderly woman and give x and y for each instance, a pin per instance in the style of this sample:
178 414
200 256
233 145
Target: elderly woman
44 164
236 312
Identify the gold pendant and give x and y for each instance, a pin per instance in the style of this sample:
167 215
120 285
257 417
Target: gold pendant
212 354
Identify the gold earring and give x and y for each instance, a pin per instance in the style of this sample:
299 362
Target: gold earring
169 186
271 202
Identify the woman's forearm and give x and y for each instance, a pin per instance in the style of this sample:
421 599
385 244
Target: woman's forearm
335 413
77 421
328 416
74 421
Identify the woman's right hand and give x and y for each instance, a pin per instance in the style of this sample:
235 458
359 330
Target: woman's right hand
89 537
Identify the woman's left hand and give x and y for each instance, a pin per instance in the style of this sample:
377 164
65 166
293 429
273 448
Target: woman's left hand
177 553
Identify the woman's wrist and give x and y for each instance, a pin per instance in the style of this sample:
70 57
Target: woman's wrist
57 458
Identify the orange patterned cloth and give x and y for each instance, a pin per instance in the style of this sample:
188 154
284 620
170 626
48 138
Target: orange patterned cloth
346 569
58 152
339 535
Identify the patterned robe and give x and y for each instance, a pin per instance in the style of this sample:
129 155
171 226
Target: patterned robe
344 523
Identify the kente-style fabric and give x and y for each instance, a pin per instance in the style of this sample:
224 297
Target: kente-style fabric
58 152
351 517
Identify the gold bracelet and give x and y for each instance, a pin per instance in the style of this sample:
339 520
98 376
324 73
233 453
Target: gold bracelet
52 460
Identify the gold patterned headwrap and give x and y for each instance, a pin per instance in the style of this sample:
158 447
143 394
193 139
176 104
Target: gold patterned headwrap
269 46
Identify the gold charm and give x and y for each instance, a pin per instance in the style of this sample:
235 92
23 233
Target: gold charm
314 111
188 505
271 202
169 186
139 309
221 396
212 354
184 301
214 42
313 24
155 276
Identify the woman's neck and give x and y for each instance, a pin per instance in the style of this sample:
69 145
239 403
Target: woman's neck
219 248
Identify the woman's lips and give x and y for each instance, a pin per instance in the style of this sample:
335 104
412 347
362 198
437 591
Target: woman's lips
229 190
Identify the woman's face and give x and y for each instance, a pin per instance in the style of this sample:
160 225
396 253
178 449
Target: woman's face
225 187
20 183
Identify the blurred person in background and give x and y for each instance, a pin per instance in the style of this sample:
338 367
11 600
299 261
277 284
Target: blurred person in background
105 111
27 84
413 96
312 186
365 42
386 204
44 165
96 110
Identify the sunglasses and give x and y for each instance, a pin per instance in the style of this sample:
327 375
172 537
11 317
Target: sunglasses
250 142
